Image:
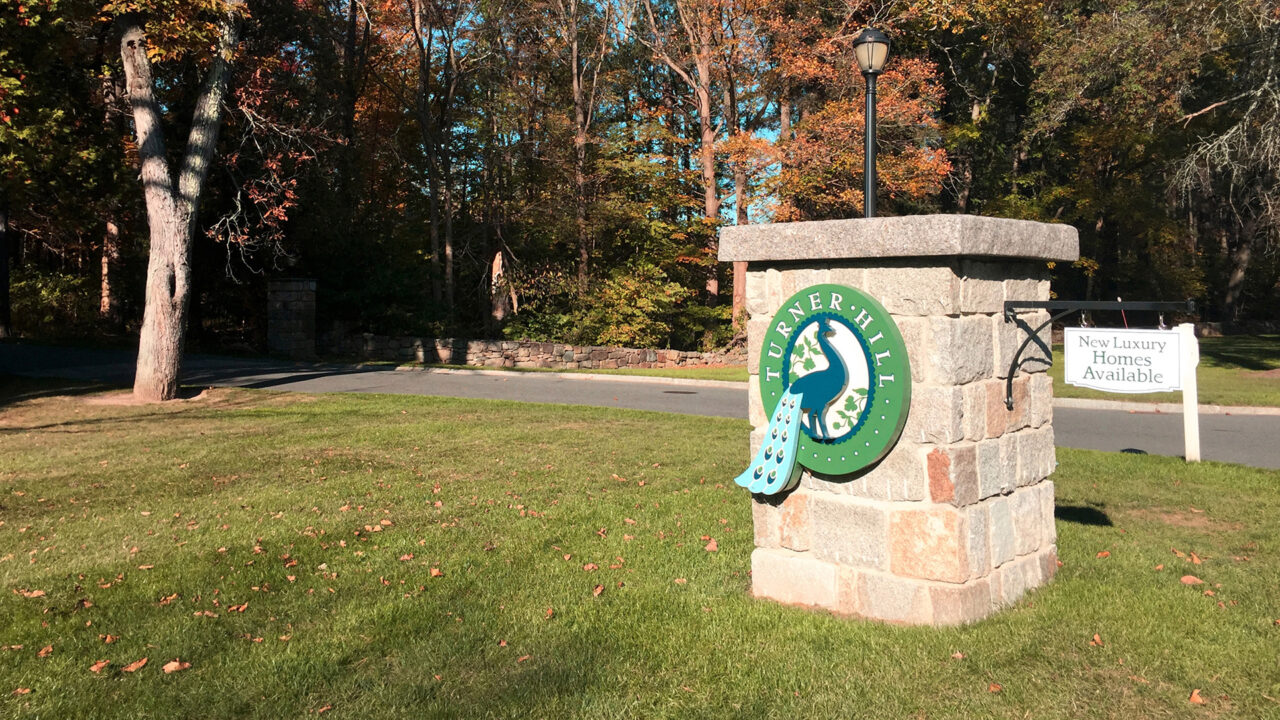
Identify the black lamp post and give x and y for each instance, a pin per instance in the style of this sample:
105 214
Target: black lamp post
871 47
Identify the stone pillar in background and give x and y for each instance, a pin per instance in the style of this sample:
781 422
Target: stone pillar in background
956 520
291 318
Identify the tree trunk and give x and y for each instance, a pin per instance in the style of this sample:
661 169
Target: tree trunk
108 301
171 210
740 267
6 312
707 153
1239 266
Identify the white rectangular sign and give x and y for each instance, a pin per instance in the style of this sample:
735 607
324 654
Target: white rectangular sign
1123 361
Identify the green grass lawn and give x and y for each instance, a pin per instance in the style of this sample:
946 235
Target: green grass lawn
1237 370
399 556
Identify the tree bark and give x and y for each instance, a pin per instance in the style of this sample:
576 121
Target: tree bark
6 312
1240 260
108 301
172 208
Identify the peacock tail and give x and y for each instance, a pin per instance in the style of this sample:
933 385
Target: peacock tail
774 468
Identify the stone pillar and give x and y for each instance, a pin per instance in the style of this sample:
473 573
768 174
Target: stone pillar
956 520
291 318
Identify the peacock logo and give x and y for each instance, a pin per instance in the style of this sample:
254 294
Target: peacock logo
836 383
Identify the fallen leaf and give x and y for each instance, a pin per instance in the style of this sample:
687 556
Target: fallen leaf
590 566
1209 593
174 666
1191 580
1104 554
597 590
135 666
168 599
994 688
550 612
145 567
1195 559
22 691
45 651
957 655
239 608
681 581
406 557
629 521
712 546
522 658
1096 641
1160 567
326 708
1195 698
30 593
1181 555
97 667
108 639
435 572
502 643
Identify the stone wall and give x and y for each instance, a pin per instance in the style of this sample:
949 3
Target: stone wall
958 519
291 318
519 353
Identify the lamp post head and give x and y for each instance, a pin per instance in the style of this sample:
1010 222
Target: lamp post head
871 47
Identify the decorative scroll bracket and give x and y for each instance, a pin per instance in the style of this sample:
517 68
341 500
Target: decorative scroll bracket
1064 308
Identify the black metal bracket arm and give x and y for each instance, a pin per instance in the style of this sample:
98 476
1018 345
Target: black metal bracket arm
1064 308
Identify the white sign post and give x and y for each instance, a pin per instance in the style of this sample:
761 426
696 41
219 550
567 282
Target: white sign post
1139 361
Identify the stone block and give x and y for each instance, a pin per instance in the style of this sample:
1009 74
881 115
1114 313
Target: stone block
1040 409
1028 520
757 437
917 337
1026 281
974 411
1049 528
755 405
1008 338
982 288
1002 536
1037 456
960 350
757 297
908 288
903 472
997 469
936 415
953 474
793 578
848 531
896 237
894 599
960 604
996 413
978 539
930 544
1048 563
854 276
756 329
848 597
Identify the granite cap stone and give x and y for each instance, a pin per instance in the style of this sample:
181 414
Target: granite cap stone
905 236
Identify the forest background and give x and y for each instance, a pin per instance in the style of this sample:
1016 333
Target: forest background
558 169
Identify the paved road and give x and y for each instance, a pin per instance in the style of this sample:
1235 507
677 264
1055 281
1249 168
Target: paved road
1250 440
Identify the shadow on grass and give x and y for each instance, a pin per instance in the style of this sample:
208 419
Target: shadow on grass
1251 352
1082 515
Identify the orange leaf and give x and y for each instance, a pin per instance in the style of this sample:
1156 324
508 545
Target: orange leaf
590 566
326 708
681 581
1195 698
957 655
995 687
145 567
168 599
1195 559
712 546
550 612
1179 553
1191 580
522 658
406 557
174 666
1096 641
45 651
502 643
1160 567
629 521
435 572
97 667
30 594
597 590
1104 554
135 666
22 691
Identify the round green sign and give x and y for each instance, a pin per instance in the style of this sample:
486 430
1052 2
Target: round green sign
834 359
